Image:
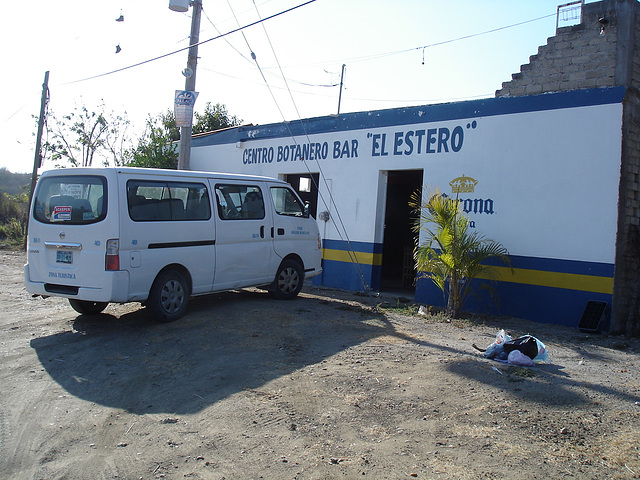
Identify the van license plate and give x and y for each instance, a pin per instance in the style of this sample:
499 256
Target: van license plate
64 256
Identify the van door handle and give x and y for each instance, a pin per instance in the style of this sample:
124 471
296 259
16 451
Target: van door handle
261 231
271 232
281 231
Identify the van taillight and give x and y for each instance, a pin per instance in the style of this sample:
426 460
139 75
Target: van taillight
112 256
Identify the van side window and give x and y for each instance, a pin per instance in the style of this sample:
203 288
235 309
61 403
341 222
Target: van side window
239 202
286 202
160 201
73 200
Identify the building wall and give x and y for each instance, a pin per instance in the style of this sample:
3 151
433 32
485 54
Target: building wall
585 56
578 58
543 167
626 300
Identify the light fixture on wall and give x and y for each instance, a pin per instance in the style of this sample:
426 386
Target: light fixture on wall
603 21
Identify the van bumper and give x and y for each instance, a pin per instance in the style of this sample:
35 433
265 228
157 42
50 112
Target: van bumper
115 288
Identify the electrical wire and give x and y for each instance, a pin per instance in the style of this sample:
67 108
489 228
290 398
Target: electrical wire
225 38
410 101
306 84
186 48
350 250
376 56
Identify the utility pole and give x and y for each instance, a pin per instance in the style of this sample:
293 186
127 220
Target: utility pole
341 82
37 159
184 152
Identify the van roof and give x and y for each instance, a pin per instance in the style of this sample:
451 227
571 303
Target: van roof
155 171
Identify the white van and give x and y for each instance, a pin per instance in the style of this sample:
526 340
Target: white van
100 235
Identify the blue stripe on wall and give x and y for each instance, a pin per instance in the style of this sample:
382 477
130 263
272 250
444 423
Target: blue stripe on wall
414 115
365 247
558 265
562 306
531 302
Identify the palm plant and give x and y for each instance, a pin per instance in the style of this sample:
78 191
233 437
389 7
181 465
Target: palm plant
452 253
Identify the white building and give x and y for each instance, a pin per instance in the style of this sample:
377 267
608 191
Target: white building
539 174
550 168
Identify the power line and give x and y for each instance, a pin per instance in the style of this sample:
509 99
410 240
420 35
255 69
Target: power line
186 48
340 224
376 56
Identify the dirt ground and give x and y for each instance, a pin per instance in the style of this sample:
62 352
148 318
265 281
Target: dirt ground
321 387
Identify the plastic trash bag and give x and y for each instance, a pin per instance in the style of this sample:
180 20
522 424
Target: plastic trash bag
502 337
516 357
529 346
525 344
543 355
496 349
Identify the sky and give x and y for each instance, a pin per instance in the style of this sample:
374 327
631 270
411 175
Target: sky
396 53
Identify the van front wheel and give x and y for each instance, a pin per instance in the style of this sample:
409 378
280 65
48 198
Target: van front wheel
84 307
288 281
169 296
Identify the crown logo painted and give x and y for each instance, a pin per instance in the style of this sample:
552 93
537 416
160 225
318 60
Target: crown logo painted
463 184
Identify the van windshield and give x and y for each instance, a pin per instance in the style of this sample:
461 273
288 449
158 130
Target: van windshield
71 199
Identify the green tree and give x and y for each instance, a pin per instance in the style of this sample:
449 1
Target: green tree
158 148
13 217
452 253
81 136
214 118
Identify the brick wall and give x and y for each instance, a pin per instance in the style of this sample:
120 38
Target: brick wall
580 57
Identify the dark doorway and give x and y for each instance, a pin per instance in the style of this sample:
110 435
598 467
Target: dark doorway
397 249
306 185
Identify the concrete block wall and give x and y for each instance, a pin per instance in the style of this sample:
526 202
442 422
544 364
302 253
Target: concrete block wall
581 57
578 57
626 284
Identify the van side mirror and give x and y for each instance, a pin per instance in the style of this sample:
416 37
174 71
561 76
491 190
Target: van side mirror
305 214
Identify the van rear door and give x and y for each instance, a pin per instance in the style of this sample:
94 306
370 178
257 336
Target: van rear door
68 233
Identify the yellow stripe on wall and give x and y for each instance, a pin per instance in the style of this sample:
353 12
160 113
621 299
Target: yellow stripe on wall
541 278
344 256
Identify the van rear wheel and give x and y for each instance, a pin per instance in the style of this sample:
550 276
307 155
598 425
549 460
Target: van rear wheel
84 307
288 281
169 296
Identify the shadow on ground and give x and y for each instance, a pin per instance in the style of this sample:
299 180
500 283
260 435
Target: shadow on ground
236 341
225 344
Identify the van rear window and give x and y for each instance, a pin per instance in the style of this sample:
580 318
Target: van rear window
71 199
